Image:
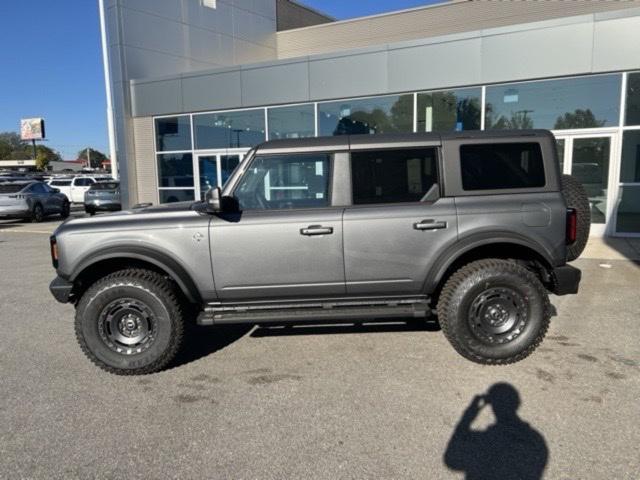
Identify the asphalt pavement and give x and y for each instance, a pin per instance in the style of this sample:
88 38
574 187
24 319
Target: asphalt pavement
327 402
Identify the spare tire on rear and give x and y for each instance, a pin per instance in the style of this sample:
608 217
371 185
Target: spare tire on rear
576 197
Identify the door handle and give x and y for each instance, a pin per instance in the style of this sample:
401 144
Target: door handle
316 230
429 225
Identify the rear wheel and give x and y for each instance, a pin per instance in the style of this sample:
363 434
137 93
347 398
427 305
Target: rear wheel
494 311
130 322
576 197
37 214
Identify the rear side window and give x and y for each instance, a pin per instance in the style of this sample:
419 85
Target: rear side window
11 188
496 166
104 186
83 182
392 176
60 183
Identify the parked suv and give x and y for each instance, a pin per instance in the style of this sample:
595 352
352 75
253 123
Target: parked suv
476 228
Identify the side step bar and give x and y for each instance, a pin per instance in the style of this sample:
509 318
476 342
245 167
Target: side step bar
302 314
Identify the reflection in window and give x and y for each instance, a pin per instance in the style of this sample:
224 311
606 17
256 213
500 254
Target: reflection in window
392 176
448 111
173 134
173 196
628 220
284 182
590 166
560 150
501 165
229 129
630 167
632 116
585 102
292 122
175 170
366 116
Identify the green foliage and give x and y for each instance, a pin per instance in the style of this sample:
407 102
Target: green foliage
97 157
12 147
578 119
42 161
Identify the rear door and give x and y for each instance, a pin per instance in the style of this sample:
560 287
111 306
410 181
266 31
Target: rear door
398 222
286 240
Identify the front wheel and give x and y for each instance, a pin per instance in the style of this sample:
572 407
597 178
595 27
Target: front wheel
37 214
66 210
494 311
130 322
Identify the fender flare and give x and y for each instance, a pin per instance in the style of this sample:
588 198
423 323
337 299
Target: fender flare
471 242
155 257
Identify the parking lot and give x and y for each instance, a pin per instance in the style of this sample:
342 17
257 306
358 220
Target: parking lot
370 401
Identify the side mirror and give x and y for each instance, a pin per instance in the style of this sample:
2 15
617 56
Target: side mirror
213 199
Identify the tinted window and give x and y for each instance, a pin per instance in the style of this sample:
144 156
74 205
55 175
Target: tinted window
493 166
175 170
585 102
292 122
105 186
629 209
83 182
285 181
392 176
173 134
450 110
632 116
229 129
387 114
37 188
61 183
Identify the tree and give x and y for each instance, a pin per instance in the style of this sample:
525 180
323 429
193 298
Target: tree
578 119
97 157
12 147
42 161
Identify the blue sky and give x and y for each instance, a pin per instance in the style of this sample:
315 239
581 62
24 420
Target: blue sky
51 65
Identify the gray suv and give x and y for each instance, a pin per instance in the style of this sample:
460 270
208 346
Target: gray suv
31 200
474 228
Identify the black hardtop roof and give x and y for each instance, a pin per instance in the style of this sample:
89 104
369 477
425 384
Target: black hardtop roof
347 141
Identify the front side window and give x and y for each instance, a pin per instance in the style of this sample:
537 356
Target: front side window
277 182
497 166
393 176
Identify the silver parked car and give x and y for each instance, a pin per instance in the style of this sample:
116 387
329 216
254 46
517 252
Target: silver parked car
31 200
102 196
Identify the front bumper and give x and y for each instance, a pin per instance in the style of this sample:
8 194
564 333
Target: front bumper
61 289
566 280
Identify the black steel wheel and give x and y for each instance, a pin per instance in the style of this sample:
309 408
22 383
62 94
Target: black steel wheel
37 214
494 311
130 322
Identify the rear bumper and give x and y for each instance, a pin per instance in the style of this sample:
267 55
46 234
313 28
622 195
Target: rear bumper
566 280
61 289
105 205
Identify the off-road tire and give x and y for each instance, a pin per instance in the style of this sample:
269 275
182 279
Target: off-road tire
150 289
466 285
37 213
576 197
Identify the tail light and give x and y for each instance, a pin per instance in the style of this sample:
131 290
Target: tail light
54 251
572 226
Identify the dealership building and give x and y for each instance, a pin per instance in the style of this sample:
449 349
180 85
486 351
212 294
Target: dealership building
192 85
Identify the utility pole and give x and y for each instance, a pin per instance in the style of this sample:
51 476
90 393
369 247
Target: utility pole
35 150
88 157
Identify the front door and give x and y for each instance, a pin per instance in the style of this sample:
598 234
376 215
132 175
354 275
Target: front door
589 157
213 169
286 240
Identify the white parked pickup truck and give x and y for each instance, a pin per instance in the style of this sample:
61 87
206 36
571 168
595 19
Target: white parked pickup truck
74 188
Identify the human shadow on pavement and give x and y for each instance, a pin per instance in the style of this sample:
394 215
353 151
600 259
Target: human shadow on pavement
508 449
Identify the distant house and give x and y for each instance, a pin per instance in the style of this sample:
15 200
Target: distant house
67 165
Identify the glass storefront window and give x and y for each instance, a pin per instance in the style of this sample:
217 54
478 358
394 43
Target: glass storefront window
560 150
175 170
584 102
628 220
292 122
632 114
630 163
590 166
173 196
240 129
390 114
173 134
449 110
